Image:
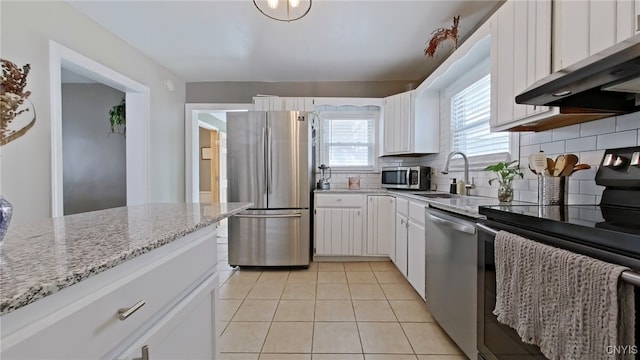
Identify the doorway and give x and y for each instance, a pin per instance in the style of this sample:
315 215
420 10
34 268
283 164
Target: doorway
212 117
94 153
138 104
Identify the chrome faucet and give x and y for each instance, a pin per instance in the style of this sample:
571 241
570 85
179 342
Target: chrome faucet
468 186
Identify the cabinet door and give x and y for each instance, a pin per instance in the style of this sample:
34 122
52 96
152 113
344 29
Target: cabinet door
338 231
502 59
602 25
380 224
404 140
260 103
571 34
416 247
389 128
187 331
401 244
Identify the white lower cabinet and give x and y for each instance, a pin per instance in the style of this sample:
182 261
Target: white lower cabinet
416 248
185 332
381 226
411 243
339 224
171 292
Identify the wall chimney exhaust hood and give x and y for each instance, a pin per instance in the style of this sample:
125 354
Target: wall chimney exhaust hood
607 83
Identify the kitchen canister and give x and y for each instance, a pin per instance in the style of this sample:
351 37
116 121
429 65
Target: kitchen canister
354 183
553 190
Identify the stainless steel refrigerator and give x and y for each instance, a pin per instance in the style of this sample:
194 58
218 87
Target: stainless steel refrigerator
269 163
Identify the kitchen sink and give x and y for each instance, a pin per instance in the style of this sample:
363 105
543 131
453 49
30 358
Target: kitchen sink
436 196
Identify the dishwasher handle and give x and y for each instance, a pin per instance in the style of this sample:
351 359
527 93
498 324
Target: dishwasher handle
454 224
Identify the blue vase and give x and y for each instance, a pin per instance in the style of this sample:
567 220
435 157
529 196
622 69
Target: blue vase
6 209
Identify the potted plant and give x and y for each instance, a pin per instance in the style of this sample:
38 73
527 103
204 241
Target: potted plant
117 118
505 173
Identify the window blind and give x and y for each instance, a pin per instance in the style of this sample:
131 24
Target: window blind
470 116
348 142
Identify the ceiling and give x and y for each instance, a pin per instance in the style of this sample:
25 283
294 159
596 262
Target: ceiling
339 40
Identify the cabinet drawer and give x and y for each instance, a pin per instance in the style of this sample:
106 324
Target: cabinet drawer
340 200
83 319
417 212
402 206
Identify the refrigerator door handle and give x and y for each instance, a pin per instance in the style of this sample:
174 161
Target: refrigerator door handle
270 216
270 156
264 155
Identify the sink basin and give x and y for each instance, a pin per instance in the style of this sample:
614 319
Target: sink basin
436 196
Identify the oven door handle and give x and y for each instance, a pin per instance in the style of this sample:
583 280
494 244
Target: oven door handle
491 231
408 177
462 227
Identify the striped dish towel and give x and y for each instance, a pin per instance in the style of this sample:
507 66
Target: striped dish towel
570 305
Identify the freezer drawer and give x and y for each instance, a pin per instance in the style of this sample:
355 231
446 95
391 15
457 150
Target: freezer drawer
269 238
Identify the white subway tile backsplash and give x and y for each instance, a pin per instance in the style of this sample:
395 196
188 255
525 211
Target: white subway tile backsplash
598 127
588 187
581 144
592 158
525 139
582 199
628 121
541 137
587 174
619 139
556 147
525 151
574 186
530 196
567 132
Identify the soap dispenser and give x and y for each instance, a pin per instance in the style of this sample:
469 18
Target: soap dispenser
453 187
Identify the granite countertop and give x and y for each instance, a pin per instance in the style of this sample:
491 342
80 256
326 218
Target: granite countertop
40 258
461 204
349 191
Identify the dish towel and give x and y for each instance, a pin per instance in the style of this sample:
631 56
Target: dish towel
570 305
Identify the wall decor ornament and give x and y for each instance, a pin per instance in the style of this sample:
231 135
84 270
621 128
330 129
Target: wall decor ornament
441 34
17 114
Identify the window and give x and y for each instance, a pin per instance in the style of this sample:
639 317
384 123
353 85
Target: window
347 140
470 115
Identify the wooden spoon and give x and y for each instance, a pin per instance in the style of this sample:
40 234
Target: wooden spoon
550 165
570 161
580 167
560 162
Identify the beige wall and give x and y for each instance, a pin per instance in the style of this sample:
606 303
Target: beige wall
26 28
244 91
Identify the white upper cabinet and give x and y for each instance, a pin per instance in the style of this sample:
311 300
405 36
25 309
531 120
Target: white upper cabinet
585 27
411 123
276 103
520 56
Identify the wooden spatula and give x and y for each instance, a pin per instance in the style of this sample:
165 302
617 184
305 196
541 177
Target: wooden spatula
570 160
550 166
560 162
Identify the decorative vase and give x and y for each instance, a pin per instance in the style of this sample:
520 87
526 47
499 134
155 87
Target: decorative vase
6 209
505 192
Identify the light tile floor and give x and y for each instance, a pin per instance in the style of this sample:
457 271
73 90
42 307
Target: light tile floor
336 311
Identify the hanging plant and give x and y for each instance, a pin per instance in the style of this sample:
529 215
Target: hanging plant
442 34
118 118
12 102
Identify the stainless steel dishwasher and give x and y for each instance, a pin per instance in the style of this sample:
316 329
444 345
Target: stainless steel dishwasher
451 276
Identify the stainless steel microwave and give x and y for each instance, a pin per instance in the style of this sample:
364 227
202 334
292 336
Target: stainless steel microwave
406 177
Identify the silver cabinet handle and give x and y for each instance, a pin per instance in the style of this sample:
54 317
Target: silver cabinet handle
269 216
469 229
145 354
125 313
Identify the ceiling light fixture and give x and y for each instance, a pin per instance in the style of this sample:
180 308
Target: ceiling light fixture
283 10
